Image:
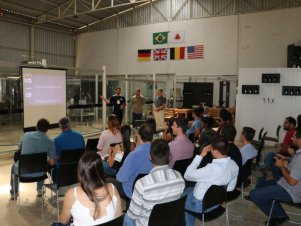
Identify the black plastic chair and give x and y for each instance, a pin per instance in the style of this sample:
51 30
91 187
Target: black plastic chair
116 222
181 165
274 139
256 143
66 173
297 205
91 144
215 195
29 164
260 149
173 211
139 176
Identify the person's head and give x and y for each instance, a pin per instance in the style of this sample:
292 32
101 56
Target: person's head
159 92
208 122
229 133
289 123
137 92
152 123
247 134
91 177
206 111
113 123
145 133
159 152
43 125
126 137
118 90
65 123
225 115
299 121
196 113
169 124
219 147
296 139
179 126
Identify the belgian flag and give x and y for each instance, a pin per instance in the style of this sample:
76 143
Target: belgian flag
144 54
177 53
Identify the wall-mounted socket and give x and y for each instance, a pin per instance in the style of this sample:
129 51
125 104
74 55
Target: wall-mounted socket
250 89
270 78
291 90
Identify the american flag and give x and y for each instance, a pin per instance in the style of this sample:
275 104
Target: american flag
195 52
160 54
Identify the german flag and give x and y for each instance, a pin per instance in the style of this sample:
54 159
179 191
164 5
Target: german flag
144 54
177 53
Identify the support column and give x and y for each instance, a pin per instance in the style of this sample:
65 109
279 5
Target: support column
154 87
174 91
104 94
96 97
126 116
32 42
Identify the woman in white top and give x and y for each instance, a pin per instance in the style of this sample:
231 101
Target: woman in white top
109 136
93 201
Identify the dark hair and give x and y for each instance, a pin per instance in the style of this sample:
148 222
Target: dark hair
126 141
197 111
113 123
65 123
248 133
298 133
152 123
220 144
298 122
43 125
169 124
160 152
146 132
229 133
209 121
225 115
91 176
182 123
291 120
118 88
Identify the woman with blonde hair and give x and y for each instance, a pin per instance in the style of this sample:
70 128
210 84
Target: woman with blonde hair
93 201
112 135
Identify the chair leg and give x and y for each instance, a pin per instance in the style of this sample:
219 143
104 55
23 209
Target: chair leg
19 198
57 205
242 202
268 222
203 219
227 215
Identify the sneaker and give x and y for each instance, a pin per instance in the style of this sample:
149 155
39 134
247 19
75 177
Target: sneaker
13 197
40 193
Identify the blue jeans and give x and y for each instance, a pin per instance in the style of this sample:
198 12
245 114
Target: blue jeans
108 170
269 162
127 221
264 195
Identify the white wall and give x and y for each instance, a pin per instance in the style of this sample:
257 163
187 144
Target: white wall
251 109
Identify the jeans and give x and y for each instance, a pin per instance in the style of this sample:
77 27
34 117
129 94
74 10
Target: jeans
136 116
14 179
264 195
269 162
127 221
108 170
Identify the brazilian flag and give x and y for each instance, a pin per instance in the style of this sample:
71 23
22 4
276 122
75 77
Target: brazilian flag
160 38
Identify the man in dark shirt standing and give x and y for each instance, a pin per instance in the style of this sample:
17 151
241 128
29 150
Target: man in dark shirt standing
159 106
118 103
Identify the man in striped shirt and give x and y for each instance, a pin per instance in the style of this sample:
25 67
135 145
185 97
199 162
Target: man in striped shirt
161 185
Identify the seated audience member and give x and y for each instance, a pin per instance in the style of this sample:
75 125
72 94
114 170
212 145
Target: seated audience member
206 112
137 162
289 125
181 147
225 119
33 143
222 171
161 185
287 189
109 136
68 139
207 132
113 163
247 151
168 134
298 127
196 124
93 201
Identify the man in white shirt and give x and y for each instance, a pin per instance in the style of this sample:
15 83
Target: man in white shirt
248 151
222 171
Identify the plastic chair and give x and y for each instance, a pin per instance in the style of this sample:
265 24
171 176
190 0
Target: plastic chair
116 222
66 173
274 139
91 144
29 164
297 205
215 195
139 176
173 211
181 165
260 148
256 143
238 191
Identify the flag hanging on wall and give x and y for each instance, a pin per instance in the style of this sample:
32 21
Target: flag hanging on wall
195 52
160 38
144 54
160 54
177 53
176 36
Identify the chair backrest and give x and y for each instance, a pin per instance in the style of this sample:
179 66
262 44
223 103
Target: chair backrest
33 163
260 134
260 148
181 165
278 131
70 156
91 144
137 178
168 214
215 195
116 222
247 169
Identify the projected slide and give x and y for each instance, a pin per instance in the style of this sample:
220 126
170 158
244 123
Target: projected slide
44 95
